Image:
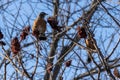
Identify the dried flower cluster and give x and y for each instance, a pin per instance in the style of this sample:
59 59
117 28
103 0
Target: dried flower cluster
15 45
68 63
81 32
116 73
49 67
24 33
54 24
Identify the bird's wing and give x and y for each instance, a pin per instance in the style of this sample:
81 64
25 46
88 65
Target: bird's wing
87 43
34 24
42 25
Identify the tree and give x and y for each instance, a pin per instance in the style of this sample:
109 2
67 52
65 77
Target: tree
82 40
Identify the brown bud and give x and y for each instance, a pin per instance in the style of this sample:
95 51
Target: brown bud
81 32
68 63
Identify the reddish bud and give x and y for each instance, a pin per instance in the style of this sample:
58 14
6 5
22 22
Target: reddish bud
81 32
68 63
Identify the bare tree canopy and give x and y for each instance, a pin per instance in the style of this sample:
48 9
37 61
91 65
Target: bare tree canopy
59 39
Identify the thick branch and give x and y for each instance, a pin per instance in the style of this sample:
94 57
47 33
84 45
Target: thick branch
87 16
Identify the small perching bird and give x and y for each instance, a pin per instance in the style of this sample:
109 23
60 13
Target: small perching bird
90 44
39 26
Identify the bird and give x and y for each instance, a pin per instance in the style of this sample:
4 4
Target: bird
39 26
90 45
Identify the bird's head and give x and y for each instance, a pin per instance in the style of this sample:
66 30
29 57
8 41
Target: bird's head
42 14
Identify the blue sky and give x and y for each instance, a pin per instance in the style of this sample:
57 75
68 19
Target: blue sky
12 23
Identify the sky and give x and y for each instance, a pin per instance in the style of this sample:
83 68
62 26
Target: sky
15 16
